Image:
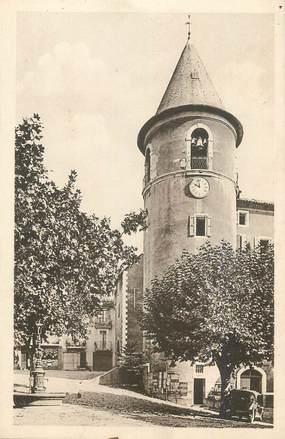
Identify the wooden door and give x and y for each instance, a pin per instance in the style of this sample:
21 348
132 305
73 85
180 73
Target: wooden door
199 390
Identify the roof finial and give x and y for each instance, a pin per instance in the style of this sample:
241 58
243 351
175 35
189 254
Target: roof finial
189 27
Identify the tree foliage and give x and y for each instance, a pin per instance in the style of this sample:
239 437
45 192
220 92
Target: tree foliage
214 306
66 261
132 360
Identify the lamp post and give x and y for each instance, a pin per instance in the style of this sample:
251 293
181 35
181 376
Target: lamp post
38 373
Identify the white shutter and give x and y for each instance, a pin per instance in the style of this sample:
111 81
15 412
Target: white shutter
191 226
237 216
238 242
209 226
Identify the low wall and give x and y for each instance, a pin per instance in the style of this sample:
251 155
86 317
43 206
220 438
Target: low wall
118 376
110 378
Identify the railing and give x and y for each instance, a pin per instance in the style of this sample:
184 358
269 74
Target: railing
199 163
75 344
107 324
103 345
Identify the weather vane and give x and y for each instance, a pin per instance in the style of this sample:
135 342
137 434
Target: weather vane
189 27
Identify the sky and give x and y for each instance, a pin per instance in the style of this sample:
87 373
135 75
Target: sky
95 78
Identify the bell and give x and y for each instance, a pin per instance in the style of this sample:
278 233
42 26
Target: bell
200 142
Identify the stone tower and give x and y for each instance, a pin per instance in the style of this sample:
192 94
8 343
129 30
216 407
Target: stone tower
190 182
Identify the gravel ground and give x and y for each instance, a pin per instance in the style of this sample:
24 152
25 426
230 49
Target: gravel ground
153 412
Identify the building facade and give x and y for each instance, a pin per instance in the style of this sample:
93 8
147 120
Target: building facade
95 352
128 307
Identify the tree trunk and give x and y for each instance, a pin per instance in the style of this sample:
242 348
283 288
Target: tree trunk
225 374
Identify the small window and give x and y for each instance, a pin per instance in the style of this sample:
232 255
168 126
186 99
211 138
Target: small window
200 226
242 218
199 368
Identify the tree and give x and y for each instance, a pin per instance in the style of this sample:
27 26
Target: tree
214 306
132 362
131 359
66 261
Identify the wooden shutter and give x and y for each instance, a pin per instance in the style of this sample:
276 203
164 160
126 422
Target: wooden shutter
191 226
209 226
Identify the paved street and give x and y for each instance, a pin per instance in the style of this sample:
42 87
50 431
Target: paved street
89 403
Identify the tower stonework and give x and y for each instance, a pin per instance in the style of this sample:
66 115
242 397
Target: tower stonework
190 181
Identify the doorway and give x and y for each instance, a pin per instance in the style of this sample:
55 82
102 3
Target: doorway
199 390
82 363
102 360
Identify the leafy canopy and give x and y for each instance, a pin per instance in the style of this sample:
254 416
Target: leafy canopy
215 305
66 261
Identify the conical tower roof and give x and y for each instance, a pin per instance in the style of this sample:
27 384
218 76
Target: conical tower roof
190 89
189 84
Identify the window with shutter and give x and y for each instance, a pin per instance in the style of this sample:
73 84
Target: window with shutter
199 225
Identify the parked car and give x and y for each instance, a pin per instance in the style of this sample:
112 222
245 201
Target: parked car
244 403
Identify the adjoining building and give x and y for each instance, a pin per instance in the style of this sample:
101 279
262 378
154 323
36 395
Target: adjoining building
128 303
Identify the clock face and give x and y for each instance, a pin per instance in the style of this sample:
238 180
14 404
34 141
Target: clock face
199 187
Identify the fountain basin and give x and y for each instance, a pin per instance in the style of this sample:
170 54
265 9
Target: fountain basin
22 399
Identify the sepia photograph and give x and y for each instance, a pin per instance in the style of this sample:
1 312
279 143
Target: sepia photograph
144 222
